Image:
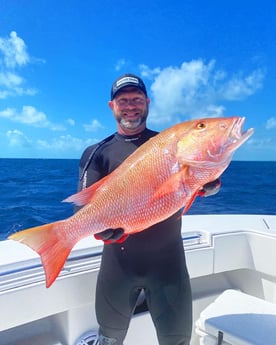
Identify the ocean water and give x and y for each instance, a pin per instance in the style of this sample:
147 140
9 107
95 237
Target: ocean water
31 191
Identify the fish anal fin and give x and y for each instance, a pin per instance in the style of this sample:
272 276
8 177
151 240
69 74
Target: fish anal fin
52 250
84 197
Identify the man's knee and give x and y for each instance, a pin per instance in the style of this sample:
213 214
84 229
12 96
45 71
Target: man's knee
107 341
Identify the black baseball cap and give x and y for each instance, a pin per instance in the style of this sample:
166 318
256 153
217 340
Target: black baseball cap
127 79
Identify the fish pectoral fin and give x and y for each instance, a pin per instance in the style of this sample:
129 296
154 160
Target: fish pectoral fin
85 196
173 184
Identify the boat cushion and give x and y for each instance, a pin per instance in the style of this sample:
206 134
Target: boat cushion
243 319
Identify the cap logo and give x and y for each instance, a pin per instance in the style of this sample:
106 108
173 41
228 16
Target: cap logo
127 80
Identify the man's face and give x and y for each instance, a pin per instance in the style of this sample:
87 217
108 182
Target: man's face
130 109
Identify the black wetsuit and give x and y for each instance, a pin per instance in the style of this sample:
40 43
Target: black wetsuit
152 260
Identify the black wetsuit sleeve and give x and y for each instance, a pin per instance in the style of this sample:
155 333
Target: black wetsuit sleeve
91 167
89 170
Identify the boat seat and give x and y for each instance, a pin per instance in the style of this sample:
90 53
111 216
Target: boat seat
238 319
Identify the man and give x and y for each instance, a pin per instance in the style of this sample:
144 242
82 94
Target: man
152 261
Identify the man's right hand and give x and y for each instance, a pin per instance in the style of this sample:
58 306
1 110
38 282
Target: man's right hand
111 235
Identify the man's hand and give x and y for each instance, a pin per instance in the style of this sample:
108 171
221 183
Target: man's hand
111 235
118 235
210 188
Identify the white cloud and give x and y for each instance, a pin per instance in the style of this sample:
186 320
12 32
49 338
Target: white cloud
10 80
146 72
261 143
210 111
64 143
17 138
239 88
71 122
271 123
57 146
93 126
30 116
13 54
195 89
12 85
4 94
14 51
120 64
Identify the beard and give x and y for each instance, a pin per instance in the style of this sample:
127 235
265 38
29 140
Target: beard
132 124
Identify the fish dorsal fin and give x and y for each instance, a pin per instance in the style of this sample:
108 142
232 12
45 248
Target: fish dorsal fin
84 197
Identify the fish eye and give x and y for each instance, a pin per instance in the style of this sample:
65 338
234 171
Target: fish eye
201 125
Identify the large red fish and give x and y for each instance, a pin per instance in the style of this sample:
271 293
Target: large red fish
158 179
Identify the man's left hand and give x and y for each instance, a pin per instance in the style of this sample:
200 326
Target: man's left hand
210 188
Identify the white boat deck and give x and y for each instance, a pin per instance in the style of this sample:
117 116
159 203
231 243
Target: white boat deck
223 252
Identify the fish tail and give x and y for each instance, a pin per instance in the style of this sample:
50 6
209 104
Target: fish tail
47 241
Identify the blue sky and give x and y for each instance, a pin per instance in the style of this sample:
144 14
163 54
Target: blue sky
58 60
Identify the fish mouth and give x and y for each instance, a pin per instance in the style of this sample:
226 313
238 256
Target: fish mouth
220 152
236 136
